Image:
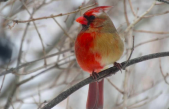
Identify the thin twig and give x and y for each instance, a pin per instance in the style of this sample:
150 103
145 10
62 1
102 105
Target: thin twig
21 45
164 76
139 105
67 104
137 102
132 10
12 92
139 18
13 70
14 88
63 30
34 70
164 1
52 16
40 37
158 14
2 83
32 77
151 40
41 40
152 32
119 90
144 90
125 13
130 53
12 105
4 77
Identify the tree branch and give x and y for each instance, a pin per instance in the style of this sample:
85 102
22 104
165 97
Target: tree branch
52 16
13 70
103 74
164 1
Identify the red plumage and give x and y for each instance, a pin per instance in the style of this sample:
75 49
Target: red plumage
97 10
85 58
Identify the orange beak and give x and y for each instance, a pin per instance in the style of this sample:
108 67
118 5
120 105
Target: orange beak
82 20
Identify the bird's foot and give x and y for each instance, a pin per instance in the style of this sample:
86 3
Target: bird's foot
118 65
95 75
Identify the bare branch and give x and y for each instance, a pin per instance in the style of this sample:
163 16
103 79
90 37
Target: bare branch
40 37
2 83
151 40
14 88
52 16
164 76
63 30
164 1
132 10
13 70
130 54
122 92
139 105
102 74
125 13
139 18
152 32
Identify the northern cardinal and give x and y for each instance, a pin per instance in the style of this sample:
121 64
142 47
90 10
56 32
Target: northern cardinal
97 45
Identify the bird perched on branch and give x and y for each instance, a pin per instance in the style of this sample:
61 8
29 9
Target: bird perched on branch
97 45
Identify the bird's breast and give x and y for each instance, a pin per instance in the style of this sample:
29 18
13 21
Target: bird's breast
94 50
87 59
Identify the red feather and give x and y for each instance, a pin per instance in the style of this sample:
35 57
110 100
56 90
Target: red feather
97 10
85 58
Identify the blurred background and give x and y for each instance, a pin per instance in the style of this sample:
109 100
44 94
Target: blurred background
37 59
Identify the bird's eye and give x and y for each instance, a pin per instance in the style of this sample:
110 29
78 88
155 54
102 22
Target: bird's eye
92 17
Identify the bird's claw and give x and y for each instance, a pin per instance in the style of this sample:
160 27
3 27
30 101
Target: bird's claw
118 65
95 75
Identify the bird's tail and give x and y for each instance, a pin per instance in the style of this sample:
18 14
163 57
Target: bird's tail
95 95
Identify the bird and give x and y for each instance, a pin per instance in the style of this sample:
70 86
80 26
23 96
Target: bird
97 45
